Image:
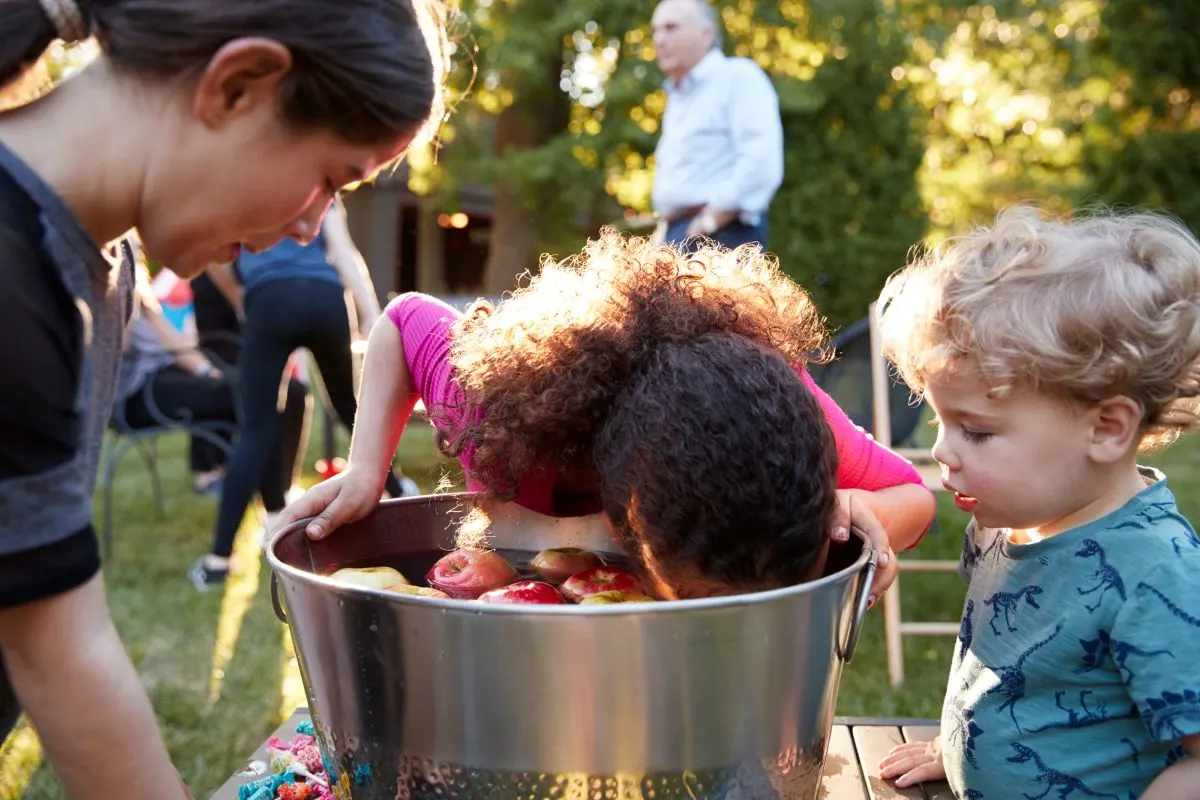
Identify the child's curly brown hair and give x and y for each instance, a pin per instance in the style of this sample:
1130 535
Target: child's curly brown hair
717 469
539 372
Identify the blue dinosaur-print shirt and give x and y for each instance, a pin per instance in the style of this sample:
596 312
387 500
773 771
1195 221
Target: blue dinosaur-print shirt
1077 667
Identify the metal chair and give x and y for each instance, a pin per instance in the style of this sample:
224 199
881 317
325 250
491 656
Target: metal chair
894 627
867 388
851 381
125 437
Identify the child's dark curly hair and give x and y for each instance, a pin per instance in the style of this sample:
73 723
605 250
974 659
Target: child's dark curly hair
540 372
717 468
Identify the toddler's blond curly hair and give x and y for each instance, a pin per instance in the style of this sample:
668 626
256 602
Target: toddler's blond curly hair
1090 307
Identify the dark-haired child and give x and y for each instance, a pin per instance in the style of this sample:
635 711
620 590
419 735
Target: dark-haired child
542 398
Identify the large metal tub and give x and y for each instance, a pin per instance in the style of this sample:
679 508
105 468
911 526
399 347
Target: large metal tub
728 697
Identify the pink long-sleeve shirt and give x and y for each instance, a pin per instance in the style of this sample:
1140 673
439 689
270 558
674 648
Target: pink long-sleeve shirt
424 323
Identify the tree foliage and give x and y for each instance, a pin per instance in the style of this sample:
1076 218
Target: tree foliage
904 119
849 207
1143 146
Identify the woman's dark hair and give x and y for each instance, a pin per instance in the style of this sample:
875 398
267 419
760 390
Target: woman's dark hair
716 457
369 70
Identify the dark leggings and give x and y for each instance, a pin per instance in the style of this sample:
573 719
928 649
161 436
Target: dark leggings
281 317
179 395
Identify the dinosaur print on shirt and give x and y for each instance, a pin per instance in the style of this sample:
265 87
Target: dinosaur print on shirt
1072 672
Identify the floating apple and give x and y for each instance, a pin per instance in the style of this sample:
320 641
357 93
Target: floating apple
610 597
599 579
465 574
419 591
370 577
559 563
524 592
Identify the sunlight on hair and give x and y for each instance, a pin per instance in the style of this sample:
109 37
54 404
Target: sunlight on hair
20 758
446 484
239 595
59 63
473 530
73 57
27 88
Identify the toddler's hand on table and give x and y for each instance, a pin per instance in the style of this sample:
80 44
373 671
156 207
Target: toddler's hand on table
914 762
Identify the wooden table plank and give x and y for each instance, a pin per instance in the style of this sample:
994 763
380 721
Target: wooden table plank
873 743
937 790
256 765
842 777
895 722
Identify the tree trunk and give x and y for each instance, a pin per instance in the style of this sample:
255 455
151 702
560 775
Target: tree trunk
538 114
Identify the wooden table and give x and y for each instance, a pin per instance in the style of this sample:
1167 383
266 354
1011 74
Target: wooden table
851 773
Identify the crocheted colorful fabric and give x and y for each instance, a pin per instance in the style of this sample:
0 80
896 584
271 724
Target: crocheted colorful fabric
297 771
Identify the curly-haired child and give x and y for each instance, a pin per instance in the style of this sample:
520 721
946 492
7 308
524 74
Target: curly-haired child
1052 352
653 386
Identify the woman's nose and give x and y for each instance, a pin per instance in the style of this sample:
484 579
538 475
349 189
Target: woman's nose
305 227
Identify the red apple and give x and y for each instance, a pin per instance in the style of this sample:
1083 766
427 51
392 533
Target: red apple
419 591
599 579
559 563
610 597
465 574
524 592
370 577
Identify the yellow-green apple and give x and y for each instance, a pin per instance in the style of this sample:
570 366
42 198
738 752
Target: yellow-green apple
559 563
607 598
419 591
599 579
467 573
370 577
524 592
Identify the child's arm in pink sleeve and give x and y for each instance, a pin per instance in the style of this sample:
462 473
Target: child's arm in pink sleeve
862 462
424 323
865 464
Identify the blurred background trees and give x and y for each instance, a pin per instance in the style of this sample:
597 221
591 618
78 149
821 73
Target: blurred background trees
906 120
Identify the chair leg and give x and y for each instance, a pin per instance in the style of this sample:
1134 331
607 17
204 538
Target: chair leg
149 450
891 633
115 455
106 536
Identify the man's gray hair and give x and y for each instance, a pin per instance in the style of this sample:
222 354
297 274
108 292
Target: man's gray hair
707 15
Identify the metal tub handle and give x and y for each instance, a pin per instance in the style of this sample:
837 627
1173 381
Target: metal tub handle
270 549
862 594
275 597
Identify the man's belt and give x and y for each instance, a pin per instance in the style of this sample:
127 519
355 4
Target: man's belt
683 213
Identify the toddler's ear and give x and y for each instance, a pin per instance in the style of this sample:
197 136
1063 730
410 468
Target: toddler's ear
1116 428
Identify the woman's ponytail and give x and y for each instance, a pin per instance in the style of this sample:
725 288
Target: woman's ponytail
28 27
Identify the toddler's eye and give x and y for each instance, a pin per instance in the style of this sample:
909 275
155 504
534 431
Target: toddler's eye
975 436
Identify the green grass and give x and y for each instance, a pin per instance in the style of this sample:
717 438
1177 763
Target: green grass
221 673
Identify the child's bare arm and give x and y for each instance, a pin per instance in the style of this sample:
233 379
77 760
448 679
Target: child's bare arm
222 278
351 268
1180 781
904 511
385 403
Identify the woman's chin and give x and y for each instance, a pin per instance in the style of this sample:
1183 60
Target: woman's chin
191 263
